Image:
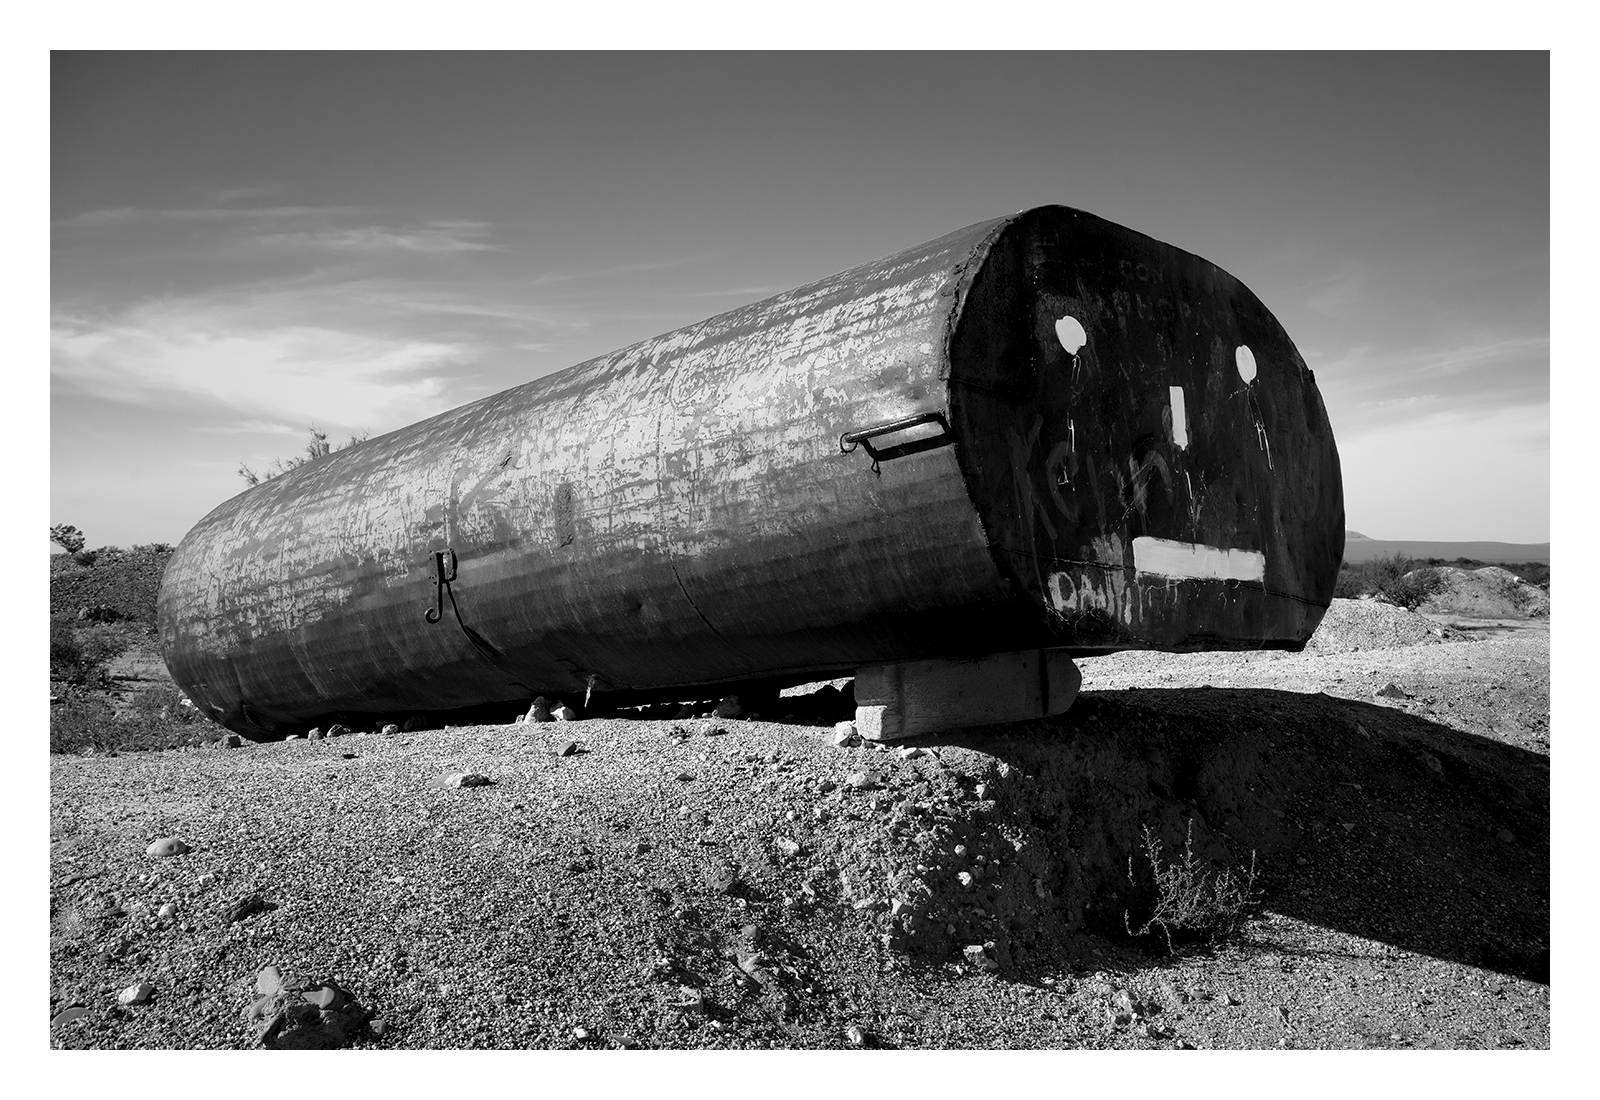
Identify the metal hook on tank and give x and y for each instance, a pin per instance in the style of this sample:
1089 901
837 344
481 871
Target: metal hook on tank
862 438
440 580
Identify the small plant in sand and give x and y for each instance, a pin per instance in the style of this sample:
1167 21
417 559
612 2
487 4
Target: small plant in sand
319 447
1192 902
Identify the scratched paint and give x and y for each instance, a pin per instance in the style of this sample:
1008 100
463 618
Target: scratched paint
1256 469
602 515
679 511
1187 560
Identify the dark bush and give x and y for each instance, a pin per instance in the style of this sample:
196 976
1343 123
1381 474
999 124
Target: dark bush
102 643
66 656
1401 580
1411 590
77 722
81 649
68 537
1534 572
101 614
153 719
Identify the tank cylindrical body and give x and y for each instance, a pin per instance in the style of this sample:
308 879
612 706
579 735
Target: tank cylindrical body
1041 431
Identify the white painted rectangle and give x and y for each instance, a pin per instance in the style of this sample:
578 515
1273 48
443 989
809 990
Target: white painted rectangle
1190 560
1180 417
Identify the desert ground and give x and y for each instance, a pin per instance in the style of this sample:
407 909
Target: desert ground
733 883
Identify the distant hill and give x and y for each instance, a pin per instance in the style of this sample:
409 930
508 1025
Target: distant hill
1357 547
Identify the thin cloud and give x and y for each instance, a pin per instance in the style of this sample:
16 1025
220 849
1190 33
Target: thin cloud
235 194
621 269
436 237
93 219
283 373
122 215
243 426
1471 389
409 299
1339 294
733 292
245 213
1486 366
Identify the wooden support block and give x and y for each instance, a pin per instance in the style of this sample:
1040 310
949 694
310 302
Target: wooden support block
911 698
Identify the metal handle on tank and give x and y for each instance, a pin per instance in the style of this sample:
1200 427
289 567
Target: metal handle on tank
862 437
440 579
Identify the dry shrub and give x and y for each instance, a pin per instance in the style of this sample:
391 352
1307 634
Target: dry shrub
155 719
1192 902
317 448
66 655
1412 589
81 650
1403 581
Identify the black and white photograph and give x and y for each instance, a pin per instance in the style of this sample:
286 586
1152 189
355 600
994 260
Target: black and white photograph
816 550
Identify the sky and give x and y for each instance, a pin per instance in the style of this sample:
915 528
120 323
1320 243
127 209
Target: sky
243 245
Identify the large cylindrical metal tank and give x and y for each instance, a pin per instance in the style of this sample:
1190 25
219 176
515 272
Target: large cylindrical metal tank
1041 431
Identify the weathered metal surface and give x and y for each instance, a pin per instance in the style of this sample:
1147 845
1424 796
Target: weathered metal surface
682 511
1173 482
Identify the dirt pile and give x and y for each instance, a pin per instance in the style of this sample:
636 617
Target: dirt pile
1372 624
1487 593
1046 848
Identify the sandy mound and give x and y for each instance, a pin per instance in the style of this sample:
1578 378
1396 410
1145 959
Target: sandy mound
1487 593
1371 624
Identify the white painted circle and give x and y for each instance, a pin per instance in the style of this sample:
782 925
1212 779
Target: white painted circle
1246 360
1071 334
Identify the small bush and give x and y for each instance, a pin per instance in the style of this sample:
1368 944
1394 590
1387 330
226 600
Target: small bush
66 655
104 641
80 651
1536 573
319 447
1401 580
154 719
164 704
1412 589
1192 902
79 722
68 537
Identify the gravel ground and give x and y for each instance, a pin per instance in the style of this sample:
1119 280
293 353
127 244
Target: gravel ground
1486 677
669 885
